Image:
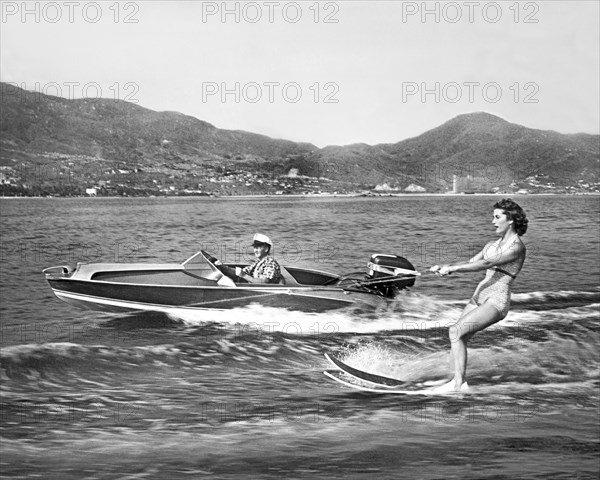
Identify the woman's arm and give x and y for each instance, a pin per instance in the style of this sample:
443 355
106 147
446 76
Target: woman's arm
476 258
483 260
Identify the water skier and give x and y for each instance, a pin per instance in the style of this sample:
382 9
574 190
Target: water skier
502 259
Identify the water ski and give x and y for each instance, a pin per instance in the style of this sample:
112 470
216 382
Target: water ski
386 384
380 388
369 377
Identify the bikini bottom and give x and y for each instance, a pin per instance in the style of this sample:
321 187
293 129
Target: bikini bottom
496 294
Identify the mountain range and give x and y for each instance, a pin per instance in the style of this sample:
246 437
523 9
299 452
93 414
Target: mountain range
87 139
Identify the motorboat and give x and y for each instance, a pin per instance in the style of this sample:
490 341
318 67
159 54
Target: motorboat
200 284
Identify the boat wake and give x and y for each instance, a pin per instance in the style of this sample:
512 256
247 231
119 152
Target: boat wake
408 340
410 313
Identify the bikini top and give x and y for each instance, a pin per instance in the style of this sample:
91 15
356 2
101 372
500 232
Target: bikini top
491 252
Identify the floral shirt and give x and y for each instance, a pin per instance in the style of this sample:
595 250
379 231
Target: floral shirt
265 268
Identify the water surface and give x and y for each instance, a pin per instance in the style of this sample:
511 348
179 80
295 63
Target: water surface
93 395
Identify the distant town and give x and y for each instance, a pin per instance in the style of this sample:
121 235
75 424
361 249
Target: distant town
65 179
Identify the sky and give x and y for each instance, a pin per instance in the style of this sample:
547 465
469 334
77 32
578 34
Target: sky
328 73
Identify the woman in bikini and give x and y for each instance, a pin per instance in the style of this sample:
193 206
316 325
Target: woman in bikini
502 260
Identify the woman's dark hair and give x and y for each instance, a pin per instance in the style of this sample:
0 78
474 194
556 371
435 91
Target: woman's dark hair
515 213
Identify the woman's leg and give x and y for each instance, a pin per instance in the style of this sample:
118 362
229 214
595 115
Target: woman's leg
468 307
471 321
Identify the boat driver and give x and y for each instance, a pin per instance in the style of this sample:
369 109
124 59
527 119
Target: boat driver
265 269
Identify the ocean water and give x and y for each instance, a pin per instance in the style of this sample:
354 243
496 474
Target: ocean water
95 395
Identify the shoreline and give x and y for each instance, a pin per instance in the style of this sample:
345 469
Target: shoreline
296 196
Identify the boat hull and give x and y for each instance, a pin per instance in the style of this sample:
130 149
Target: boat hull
118 297
198 284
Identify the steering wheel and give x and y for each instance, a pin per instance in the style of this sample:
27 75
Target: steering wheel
220 278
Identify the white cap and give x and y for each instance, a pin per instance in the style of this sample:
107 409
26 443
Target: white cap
260 238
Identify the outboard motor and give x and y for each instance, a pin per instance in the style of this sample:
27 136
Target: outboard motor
382 267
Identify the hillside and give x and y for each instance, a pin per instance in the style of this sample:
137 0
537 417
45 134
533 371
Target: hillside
482 146
117 129
53 145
